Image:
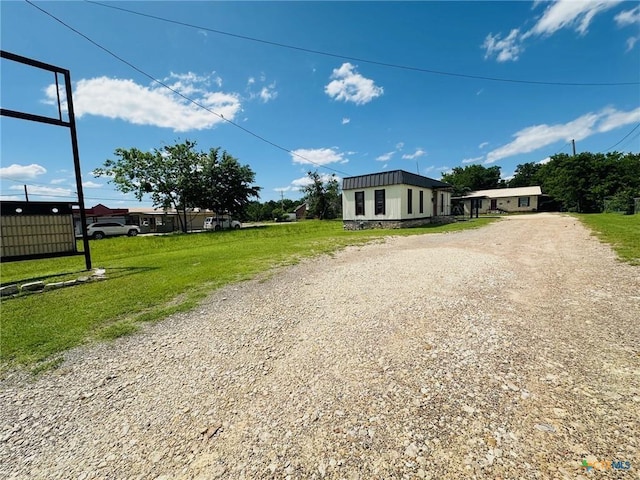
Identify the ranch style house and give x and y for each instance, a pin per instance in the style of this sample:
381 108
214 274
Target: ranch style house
501 200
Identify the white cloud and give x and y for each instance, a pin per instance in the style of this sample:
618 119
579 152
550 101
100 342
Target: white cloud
21 172
345 121
482 145
190 83
283 189
504 49
265 93
474 159
628 17
570 13
90 184
613 119
385 157
48 192
350 86
537 136
317 156
544 160
155 105
268 93
532 138
302 182
418 153
631 42
557 16
58 181
399 145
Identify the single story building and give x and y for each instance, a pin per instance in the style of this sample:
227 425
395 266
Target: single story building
394 199
501 200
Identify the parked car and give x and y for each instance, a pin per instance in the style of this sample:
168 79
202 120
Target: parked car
219 223
100 230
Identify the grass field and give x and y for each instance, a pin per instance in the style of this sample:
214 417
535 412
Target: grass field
150 277
621 231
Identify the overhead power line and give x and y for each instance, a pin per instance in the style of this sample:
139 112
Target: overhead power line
194 102
622 139
364 60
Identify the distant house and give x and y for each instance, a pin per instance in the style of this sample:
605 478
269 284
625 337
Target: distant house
519 199
393 199
300 211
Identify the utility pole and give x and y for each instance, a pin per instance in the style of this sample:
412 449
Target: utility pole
26 195
282 200
573 143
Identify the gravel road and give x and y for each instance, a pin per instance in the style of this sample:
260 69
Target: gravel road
507 352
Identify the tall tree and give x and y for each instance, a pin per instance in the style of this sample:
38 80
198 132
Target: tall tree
163 174
225 186
177 176
472 177
323 196
585 181
526 175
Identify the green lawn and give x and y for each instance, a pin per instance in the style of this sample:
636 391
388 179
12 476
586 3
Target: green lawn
621 231
150 277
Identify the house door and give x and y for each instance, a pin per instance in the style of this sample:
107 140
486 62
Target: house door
494 204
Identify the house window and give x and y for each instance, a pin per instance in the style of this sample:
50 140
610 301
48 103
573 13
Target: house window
442 203
479 200
421 205
359 203
409 200
379 200
523 201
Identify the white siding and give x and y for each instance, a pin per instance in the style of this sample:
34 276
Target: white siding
396 203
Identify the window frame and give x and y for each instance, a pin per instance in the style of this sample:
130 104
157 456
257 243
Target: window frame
520 202
409 201
359 201
380 203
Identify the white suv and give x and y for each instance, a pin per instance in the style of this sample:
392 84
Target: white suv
213 223
100 230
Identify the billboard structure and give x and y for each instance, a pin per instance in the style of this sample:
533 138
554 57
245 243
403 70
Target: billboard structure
20 244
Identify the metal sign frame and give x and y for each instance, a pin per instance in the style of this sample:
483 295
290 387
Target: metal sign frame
70 124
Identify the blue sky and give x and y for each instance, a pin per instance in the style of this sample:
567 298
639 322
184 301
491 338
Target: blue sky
369 102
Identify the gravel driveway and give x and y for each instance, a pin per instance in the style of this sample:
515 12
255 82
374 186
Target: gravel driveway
510 351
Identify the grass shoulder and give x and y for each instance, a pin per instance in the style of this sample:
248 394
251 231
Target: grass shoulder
622 232
151 277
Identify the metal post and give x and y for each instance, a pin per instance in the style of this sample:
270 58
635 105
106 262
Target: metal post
76 164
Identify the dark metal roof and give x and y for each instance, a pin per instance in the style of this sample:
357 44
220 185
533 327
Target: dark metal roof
394 177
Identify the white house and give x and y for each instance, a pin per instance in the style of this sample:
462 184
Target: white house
519 199
393 199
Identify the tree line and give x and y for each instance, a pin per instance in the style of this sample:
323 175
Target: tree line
183 178
586 182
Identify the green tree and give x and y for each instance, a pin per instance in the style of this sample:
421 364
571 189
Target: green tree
223 185
323 196
471 178
163 174
583 182
526 175
177 176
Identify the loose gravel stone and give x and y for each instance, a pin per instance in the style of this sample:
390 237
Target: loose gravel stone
505 352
